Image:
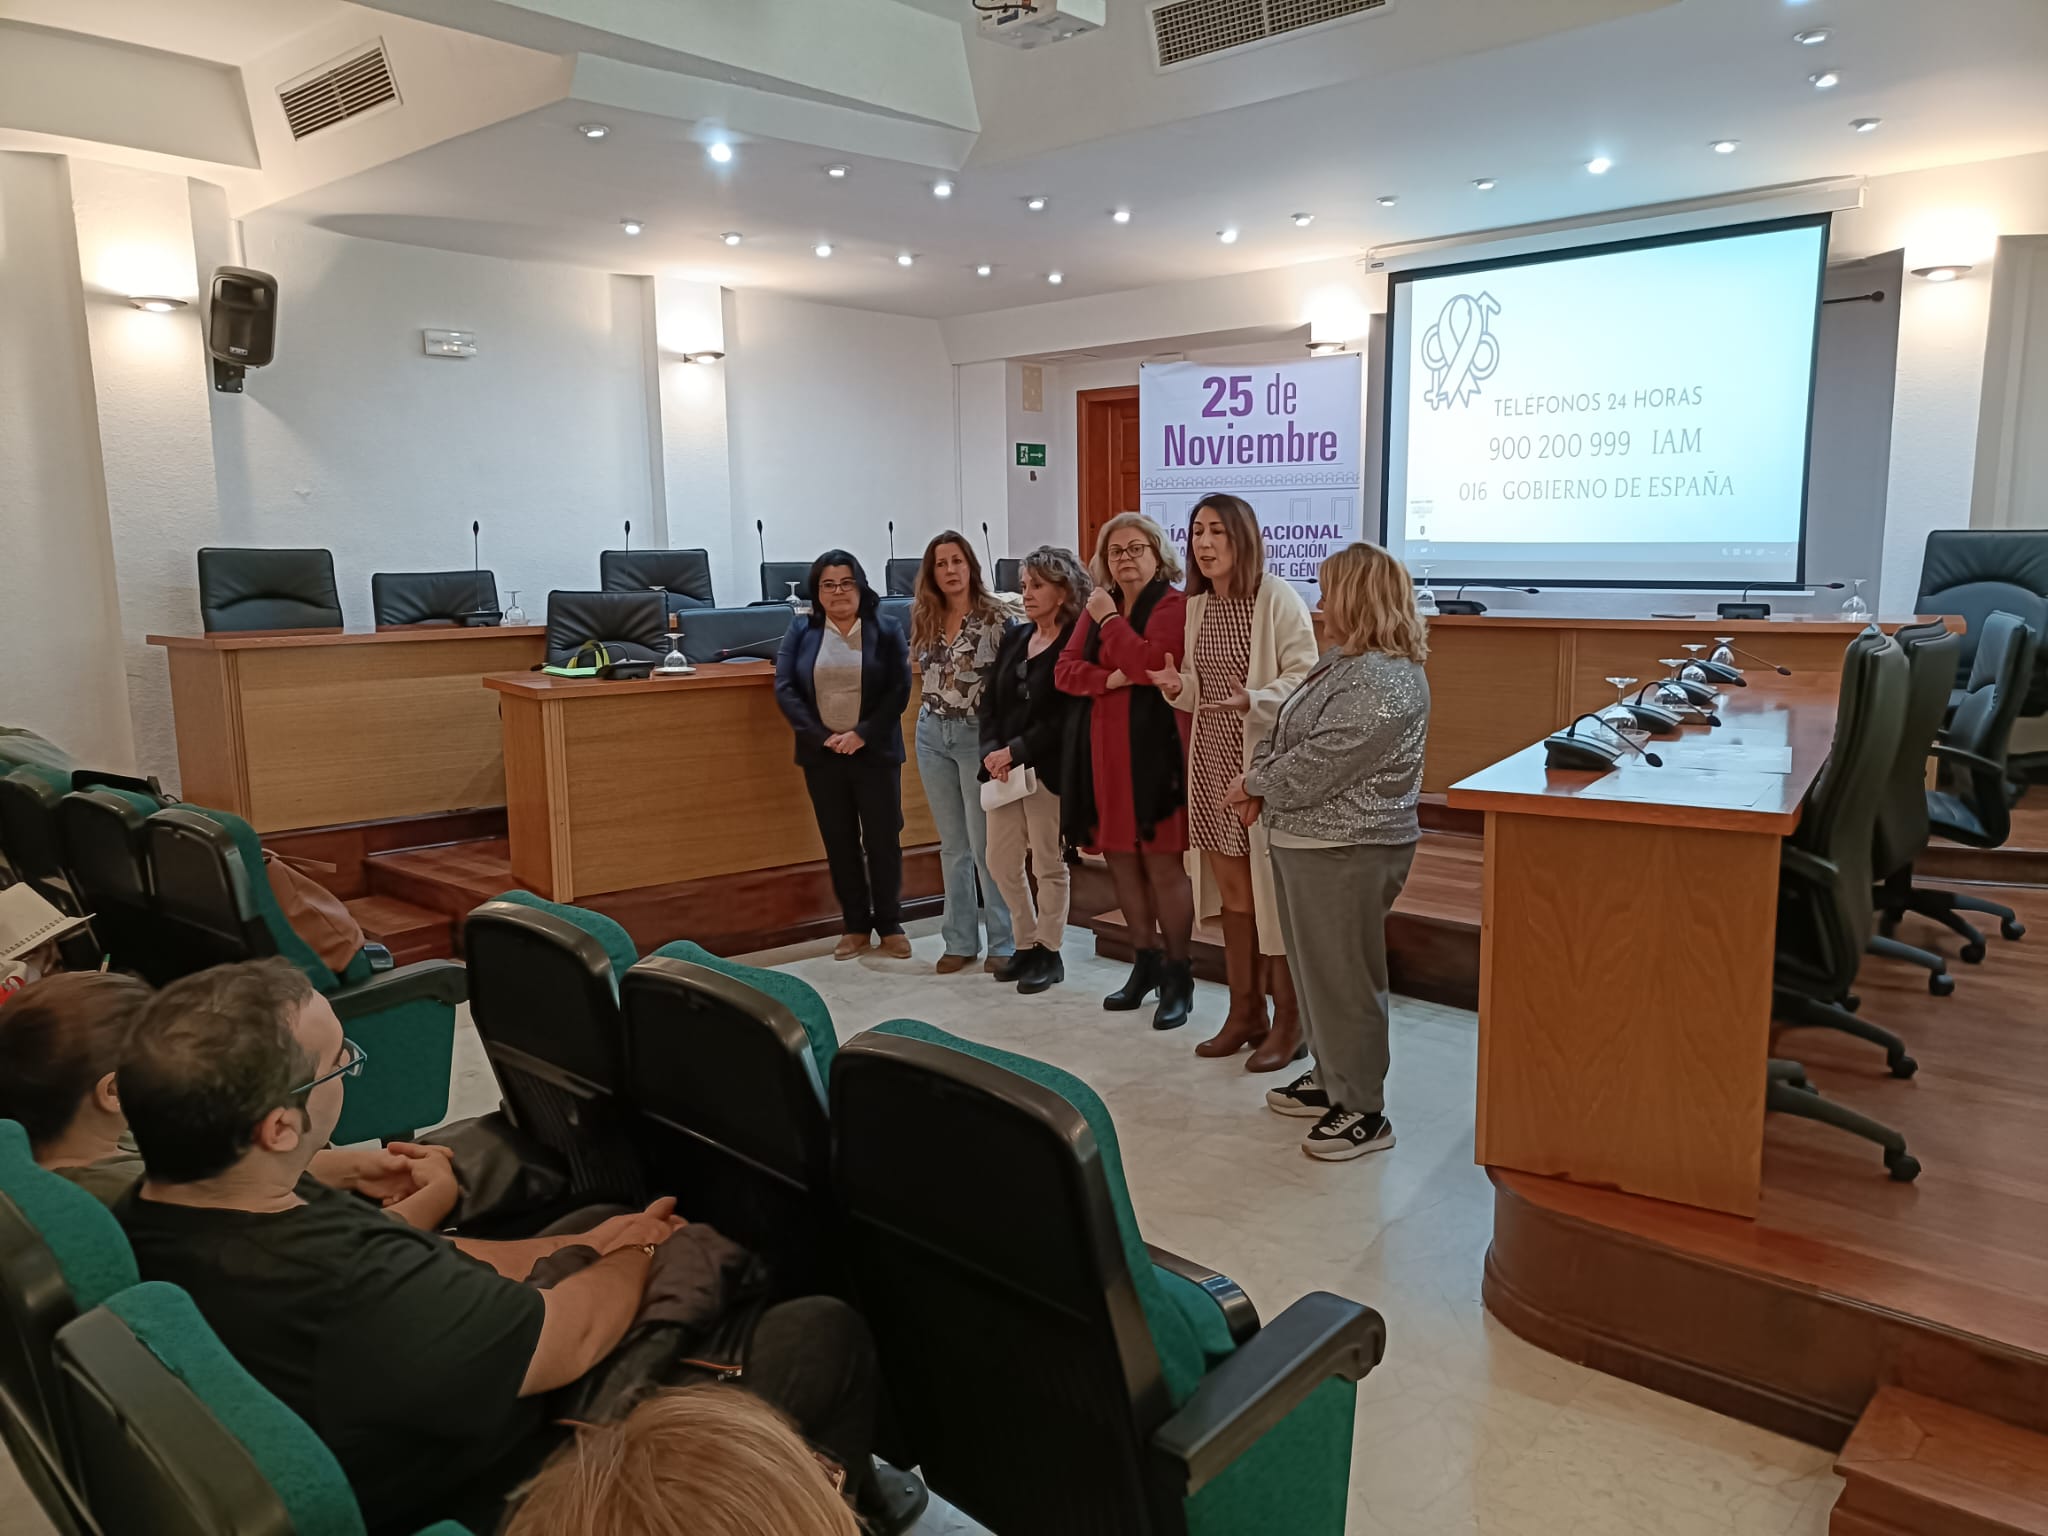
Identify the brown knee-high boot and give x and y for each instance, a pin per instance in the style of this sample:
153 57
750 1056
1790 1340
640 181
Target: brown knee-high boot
1246 1024
1282 1045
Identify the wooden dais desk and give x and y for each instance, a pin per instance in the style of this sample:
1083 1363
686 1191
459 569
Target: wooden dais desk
611 786
1626 951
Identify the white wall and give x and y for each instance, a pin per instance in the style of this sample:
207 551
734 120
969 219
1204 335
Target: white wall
58 607
840 420
357 440
1032 494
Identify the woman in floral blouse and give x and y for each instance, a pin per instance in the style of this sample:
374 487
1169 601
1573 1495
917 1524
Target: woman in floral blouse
956 626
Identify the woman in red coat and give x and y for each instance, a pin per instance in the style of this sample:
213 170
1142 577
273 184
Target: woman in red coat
1135 812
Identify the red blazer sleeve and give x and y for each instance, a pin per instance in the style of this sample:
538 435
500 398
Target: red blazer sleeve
1074 672
1134 653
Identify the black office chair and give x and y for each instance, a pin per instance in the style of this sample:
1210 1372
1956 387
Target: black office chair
544 996
896 611
1055 1374
1972 806
434 597
104 851
630 625
726 634
267 589
899 578
1009 575
1976 572
683 575
776 575
1901 827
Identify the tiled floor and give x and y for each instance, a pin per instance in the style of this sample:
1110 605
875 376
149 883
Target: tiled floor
1464 1428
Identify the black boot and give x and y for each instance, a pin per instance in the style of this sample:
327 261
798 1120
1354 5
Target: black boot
1176 995
1011 967
1144 977
1046 968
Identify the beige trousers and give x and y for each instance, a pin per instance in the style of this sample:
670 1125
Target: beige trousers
1032 823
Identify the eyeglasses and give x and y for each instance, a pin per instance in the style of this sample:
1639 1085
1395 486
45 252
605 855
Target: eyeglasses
1130 551
353 1067
848 585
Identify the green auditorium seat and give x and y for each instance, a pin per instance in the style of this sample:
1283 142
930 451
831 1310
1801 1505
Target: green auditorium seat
1055 1373
61 1253
176 1439
544 996
101 831
29 839
210 888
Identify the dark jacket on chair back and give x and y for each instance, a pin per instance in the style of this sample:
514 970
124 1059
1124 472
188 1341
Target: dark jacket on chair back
884 687
1023 709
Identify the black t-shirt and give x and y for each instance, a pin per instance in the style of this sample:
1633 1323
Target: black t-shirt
404 1355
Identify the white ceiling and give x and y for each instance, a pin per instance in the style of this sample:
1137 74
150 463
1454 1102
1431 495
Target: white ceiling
225 31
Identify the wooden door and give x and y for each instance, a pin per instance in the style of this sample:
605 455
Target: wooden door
1107 430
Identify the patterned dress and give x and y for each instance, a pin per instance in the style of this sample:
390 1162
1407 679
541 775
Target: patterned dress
1223 658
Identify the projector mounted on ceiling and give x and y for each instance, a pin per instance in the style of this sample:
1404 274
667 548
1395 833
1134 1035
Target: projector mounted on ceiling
1034 23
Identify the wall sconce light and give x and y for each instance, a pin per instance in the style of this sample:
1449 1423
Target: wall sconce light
1943 274
707 358
156 303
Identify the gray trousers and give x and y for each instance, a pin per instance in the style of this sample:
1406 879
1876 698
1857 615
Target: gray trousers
1333 912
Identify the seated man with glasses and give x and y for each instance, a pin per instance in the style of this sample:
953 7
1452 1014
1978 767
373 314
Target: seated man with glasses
421 1367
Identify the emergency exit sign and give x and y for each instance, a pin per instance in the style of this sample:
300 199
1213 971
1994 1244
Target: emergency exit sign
1031 455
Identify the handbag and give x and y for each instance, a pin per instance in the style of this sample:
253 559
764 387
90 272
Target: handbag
995 792
315 913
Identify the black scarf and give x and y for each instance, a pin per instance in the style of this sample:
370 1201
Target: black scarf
1158 758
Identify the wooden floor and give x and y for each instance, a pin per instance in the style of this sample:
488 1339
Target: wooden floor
1846 1281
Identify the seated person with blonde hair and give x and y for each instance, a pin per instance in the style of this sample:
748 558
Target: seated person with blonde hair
703 1461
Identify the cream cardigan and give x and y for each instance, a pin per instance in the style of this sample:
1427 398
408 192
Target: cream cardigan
1283 652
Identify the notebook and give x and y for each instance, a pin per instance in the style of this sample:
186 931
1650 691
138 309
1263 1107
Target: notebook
28 921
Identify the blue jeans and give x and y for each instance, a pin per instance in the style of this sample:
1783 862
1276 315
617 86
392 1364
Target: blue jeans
949 762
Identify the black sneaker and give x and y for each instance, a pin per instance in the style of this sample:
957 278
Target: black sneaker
1342 1134
1044 969
1304 1098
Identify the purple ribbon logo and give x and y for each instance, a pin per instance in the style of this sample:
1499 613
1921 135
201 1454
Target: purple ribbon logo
1460 351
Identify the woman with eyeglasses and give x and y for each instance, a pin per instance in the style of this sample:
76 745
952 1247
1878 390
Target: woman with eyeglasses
843 681
1130 800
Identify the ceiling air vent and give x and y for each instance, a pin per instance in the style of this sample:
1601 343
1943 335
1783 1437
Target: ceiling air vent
1184 31
338 90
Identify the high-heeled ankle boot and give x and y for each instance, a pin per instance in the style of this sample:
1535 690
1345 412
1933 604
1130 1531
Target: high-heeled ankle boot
1283 1045
1246 1023
1145 971
1176 995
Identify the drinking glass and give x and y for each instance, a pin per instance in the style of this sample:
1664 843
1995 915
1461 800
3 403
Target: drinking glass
1855 607
675 663
1692 672
1617 714
1724 651
1425 596
1668 691
514 614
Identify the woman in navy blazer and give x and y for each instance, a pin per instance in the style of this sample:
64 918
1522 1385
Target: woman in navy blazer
848 719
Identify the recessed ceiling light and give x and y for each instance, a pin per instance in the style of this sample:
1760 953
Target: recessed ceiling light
822 248
1303 220
1055 277
156 303
1485 183
904 258
1122 216
1824 80
836 172
984 270
1865 124
1389 200
1599 165
593 130
1227 236
1035 204
631 226
731 237
1812 37
942 189
719 151
1724 146
1942 274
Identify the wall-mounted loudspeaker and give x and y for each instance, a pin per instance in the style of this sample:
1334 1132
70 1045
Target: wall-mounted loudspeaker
241 324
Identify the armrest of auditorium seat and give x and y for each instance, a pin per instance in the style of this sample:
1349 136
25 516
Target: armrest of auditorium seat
1268 1377
1239 1315
1964 759
439 981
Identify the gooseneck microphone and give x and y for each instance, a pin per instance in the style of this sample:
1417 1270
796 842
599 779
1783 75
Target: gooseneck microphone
988 544
1458 604
1752 655
892 538
1568 749
761 538
629 533
481 615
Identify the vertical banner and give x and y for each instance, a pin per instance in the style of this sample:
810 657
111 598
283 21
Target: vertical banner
1284 436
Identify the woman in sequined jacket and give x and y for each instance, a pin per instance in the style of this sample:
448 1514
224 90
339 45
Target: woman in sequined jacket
1335 786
